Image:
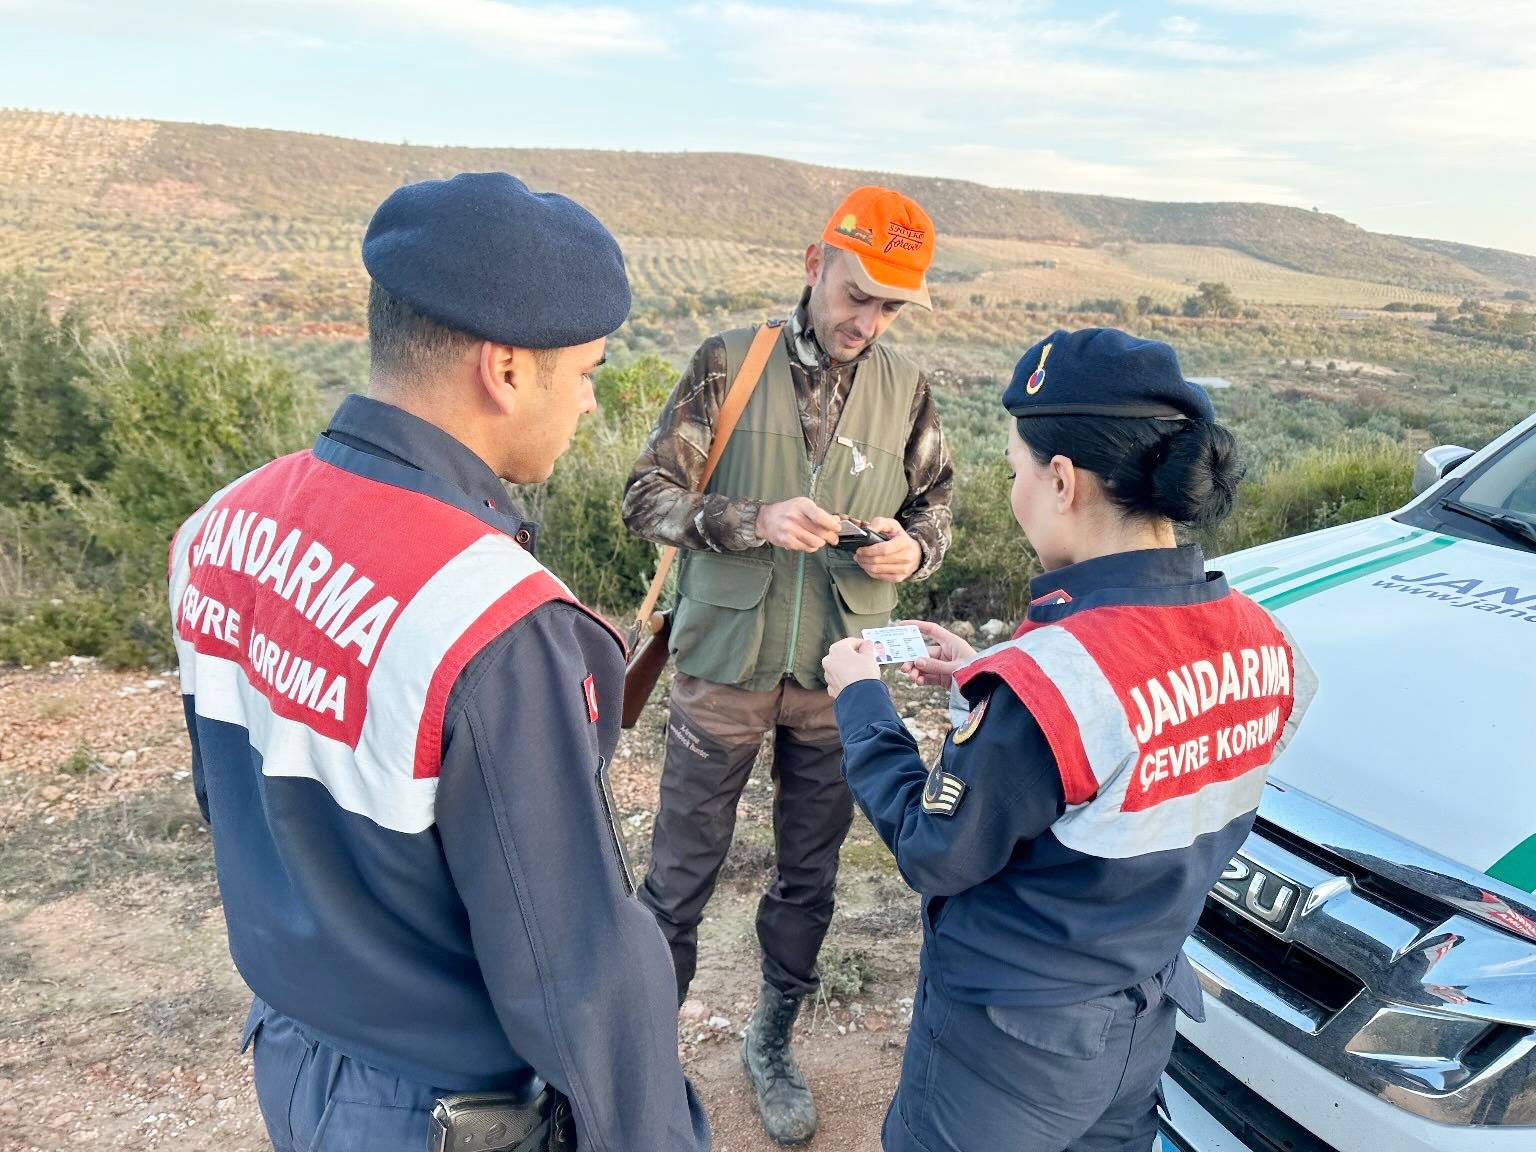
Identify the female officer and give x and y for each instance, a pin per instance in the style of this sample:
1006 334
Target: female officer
1110 765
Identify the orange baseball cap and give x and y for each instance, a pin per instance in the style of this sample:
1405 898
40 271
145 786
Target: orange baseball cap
892 238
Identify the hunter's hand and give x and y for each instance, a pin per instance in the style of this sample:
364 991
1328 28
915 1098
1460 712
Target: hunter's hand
894 559
799 525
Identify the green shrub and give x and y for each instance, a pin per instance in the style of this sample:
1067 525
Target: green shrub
1111 306
1350 480
125 628
986 571
50 424
844 972
1214 299
166 419
189 408
80 761
582 537
39 631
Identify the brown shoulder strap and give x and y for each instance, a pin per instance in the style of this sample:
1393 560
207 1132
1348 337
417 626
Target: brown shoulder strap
735 404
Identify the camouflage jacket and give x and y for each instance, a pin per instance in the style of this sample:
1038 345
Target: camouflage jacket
660 503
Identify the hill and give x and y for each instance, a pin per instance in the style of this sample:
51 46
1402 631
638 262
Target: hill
1513 268
135 209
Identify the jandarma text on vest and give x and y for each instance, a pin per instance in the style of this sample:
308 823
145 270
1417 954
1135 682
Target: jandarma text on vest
245 544
1195 689
290 675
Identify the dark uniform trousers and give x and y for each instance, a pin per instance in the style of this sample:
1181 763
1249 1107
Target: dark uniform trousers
1075 1078
314 1099
713 735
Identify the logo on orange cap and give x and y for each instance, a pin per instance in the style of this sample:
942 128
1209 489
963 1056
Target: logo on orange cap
850 228
892 238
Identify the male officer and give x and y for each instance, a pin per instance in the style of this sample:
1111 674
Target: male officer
838 425
400 721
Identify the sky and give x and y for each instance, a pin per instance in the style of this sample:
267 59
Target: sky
1407 116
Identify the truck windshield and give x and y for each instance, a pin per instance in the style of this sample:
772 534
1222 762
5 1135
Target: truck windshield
1508 484
1497 504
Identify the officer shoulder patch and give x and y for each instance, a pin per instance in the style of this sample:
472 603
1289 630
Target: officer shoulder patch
972 722
942 793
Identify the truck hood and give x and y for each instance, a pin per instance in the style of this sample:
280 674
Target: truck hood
1424 647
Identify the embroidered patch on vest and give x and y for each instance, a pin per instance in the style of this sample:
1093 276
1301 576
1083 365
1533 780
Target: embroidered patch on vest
589 691
943 792
861 462
972 722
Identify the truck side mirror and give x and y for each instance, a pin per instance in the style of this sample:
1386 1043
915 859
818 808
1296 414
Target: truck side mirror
1435 464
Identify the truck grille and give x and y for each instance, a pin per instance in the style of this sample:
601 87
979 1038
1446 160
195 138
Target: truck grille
1404 974
1312 984
1237 1108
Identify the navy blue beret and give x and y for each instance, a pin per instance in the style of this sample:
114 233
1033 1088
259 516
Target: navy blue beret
1103 372
483 255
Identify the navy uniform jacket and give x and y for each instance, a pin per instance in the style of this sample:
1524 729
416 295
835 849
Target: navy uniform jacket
501 943
1012 914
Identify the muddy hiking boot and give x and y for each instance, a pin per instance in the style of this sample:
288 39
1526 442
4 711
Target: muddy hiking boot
783 1100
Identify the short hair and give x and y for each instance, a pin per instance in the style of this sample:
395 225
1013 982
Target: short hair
404 343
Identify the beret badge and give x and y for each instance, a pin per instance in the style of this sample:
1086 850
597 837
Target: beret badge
1037 377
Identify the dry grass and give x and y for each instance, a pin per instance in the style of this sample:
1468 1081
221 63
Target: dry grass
1259 281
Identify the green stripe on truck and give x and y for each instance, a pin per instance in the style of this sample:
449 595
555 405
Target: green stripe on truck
1517 867
1333 580
1330 562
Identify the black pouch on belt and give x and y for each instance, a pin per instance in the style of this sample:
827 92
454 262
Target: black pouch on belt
502 1122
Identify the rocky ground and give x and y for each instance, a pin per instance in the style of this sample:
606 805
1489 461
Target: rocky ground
120 1008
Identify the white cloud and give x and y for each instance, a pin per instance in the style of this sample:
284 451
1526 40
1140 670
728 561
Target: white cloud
1084 105
1499 27
989 10
1322 37
567 29
1090 78
1195 51
559 31
1145 178
913 59
1359 105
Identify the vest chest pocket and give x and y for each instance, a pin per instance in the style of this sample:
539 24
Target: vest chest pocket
720 618
860 601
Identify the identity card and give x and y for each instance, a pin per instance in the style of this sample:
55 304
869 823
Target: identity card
897 644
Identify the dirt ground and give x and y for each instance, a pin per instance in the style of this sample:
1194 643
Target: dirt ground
120 1009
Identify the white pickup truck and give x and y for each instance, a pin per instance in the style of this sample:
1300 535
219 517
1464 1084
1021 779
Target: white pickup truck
1369 957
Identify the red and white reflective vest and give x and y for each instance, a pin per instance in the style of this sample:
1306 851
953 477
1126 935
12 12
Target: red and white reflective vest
329 614
1162 719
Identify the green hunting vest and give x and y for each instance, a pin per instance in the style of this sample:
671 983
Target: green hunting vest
752 618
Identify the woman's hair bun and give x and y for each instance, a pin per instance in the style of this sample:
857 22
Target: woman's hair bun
1185 470
1195 477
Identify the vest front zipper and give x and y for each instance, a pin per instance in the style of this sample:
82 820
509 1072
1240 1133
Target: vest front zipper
820 451
794 626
